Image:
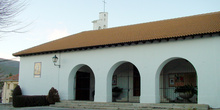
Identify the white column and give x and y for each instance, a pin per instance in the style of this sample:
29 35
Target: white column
101 87
149 89
208 84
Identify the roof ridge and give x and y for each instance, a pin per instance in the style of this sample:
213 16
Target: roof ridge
169 28
183 17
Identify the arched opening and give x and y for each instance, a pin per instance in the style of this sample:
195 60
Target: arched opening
178 82
126 83
99 28
82 83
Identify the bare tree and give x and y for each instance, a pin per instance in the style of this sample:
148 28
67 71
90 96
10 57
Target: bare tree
9 9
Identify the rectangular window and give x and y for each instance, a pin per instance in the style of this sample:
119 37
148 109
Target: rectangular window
8 86
37 69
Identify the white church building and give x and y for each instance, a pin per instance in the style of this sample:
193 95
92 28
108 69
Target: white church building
147 61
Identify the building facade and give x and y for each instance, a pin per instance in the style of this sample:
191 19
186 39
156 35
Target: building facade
148 70
9 84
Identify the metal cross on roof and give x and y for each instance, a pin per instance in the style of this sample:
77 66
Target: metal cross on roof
104 4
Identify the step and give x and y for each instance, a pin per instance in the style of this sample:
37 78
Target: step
128 106
86 103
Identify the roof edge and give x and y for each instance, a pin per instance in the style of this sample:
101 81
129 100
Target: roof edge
114 44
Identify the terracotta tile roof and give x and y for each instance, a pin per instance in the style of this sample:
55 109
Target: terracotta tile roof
179 27
12 78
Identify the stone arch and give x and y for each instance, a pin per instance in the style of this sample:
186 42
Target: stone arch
72 81
168 63
112 71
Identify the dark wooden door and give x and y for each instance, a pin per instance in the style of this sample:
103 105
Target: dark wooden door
136 82
82 86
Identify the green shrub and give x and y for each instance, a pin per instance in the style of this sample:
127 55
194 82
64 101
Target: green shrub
53 96
186 88
15 100
17 91
20 100
117 89
29 101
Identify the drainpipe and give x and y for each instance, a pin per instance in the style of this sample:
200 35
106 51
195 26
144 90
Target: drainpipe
58 88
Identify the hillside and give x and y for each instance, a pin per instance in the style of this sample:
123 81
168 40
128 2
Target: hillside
8 67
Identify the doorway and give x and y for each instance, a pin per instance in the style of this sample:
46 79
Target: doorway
84 84
126 79
178 82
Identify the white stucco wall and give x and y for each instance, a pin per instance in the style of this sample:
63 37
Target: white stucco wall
149 59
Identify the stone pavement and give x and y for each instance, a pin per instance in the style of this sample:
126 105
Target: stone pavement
129 106
10 107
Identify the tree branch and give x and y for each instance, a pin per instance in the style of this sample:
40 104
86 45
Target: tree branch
9 9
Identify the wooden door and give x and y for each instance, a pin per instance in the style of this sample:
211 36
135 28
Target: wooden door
82 86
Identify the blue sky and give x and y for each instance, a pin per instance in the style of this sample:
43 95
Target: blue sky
53 19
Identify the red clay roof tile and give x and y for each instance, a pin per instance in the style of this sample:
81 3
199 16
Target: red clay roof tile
179 27
12 78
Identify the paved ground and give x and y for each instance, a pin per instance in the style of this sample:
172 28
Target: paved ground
10 107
